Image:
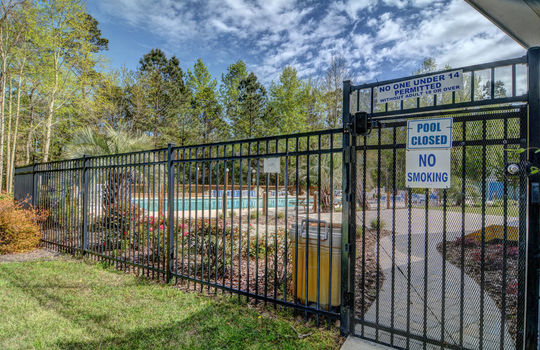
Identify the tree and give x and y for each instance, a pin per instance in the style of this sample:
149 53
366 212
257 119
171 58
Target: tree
332 89
67 39
229 90
11 32
249 122
204 102
163 82
289 102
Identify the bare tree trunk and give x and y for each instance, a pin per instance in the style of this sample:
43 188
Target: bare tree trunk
30 129
15 132
29 139
2 111
50 114
8 141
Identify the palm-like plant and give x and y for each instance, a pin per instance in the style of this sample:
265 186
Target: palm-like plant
110 141
107 141
330 177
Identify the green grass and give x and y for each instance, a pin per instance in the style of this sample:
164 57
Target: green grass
512 210
71 304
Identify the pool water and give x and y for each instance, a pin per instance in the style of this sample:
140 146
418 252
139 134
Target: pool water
214 203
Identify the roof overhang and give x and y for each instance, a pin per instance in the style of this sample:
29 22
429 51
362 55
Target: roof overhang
520 19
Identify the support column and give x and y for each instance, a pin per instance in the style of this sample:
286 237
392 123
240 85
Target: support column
348 230
531 319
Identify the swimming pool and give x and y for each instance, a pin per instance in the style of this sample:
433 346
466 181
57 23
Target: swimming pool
214 203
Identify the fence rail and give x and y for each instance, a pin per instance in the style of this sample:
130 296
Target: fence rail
210 215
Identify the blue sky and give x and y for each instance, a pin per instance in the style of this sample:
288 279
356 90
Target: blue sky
380 39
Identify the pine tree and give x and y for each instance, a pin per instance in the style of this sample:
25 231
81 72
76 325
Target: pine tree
205 106
250 121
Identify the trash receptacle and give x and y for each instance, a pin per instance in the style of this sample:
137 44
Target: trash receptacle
329 242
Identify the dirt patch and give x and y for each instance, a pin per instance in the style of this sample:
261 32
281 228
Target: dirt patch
38 254
503 293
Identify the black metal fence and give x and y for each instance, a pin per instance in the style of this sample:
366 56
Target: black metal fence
217 216
443 267
322 222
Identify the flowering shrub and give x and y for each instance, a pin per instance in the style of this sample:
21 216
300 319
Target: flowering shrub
492 260
467 242
19 227
511 251
512 288
477 255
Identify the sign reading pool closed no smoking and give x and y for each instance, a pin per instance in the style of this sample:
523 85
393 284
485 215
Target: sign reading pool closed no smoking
429 143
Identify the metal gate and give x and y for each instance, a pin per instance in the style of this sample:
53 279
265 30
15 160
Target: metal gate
260 218
444 268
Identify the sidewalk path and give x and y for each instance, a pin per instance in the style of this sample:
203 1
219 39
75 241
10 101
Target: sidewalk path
419 255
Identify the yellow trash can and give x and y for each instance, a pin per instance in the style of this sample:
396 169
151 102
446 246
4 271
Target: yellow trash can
330 250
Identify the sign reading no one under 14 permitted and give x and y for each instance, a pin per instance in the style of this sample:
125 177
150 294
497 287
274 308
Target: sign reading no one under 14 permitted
421 86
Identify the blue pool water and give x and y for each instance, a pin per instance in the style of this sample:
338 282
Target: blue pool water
214 203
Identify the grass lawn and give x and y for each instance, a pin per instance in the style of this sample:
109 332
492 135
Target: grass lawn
512 210
70 304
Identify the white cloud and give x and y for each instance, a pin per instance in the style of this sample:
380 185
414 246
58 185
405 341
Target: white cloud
457 36
375 36
397 3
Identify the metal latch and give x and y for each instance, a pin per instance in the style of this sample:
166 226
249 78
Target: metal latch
362 123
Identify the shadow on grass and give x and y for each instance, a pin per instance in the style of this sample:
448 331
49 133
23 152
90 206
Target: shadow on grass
185 324
193 332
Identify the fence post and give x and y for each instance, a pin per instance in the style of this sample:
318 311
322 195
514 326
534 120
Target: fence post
531 318
348 227
170 209
34 193
84 204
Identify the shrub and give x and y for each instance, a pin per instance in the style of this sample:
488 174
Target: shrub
511 251
374 222
492 260
468 242
19 227
512 288
497 203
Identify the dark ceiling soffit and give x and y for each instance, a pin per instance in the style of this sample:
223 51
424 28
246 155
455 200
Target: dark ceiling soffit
534 5
497 23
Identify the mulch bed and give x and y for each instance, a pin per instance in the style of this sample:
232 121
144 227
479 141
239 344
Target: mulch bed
493 276
38 254
366 293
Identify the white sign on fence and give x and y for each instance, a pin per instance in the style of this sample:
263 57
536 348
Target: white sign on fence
429 133
271 165
429 144
428 168
422 86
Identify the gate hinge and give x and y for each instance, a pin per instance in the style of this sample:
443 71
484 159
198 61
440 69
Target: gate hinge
349 299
